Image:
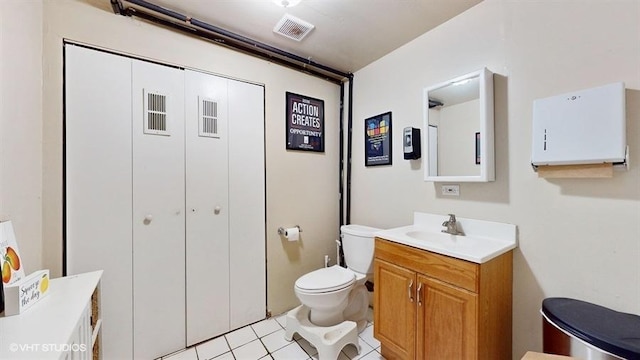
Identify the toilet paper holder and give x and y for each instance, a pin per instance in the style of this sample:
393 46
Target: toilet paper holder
281 230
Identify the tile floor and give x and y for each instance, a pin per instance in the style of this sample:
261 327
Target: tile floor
265 341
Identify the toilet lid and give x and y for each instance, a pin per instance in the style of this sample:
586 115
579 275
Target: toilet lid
326 279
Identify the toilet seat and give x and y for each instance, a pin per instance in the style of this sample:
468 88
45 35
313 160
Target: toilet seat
326 280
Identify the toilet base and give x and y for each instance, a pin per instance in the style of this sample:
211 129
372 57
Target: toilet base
357 307
328 340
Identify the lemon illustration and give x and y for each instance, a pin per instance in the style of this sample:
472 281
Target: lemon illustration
44 283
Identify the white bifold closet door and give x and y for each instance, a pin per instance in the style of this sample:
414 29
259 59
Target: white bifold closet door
165 191
247 199
226 269
207 184
99 185
158 209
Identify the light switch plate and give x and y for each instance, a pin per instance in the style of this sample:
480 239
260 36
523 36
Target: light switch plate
451 190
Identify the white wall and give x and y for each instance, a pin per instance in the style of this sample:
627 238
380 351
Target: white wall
302 187
578 238
21 125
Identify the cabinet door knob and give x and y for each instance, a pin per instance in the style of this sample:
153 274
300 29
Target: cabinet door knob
419 294
411 291
147 219
216 210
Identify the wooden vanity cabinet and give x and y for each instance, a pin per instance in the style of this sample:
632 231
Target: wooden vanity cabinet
431 306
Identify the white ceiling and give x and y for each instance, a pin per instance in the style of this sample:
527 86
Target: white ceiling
348 34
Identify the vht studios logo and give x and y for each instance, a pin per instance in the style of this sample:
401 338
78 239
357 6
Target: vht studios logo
48 347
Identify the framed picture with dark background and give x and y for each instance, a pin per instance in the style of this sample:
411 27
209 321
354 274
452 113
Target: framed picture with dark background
305 123
377 140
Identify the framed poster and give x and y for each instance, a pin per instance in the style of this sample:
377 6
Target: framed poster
305 123
377 140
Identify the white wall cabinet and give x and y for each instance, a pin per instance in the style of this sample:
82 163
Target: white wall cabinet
165 192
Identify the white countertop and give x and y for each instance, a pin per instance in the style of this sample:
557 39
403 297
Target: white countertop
483 240
42 331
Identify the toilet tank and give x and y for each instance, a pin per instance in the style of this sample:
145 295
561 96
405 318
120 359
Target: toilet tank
358 245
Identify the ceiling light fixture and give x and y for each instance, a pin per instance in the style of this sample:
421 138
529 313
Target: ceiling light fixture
286 3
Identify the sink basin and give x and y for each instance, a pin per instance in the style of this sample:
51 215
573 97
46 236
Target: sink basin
484 240
443 242
431 236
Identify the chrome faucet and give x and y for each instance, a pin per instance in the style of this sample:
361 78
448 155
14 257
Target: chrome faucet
452 226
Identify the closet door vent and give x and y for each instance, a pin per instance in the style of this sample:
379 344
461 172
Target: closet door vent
208 118
155 113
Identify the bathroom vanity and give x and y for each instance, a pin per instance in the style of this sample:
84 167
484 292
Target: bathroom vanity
430 305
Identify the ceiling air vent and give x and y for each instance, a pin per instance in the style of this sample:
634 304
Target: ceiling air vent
293 28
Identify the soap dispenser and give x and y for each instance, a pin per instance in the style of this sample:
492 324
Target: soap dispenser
411 143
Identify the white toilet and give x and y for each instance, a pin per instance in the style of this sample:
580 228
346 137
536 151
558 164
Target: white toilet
335 294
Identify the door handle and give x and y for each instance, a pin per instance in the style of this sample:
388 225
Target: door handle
411 291
419 294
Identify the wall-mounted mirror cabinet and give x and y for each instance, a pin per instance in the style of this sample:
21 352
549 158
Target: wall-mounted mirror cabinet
458 118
